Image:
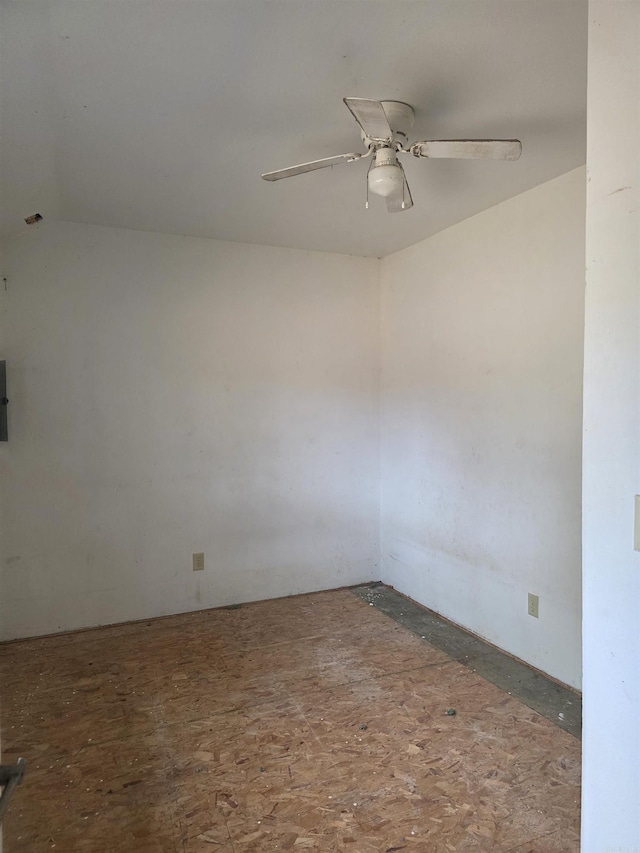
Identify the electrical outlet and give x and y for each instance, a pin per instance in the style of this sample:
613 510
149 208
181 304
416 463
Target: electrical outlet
534 602
198 562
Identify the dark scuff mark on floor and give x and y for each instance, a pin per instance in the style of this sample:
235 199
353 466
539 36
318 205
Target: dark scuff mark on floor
558 704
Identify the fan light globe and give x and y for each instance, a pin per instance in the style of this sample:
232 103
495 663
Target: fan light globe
385 178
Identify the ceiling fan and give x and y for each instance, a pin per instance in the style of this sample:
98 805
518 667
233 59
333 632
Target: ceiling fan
384 127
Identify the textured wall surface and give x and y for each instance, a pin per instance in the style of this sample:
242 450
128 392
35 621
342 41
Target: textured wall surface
172 395
482 330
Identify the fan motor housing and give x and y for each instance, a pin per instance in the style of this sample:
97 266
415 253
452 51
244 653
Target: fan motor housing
400 117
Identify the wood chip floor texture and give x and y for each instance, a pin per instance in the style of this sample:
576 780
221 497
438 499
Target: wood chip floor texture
308 723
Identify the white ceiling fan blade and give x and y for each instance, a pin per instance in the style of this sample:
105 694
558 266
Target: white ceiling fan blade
371 117
310 167
469 149
402 200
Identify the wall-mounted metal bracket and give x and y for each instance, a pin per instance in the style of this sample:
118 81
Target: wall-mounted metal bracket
4 402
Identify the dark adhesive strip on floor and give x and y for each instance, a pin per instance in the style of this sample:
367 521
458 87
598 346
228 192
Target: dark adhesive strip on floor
558 704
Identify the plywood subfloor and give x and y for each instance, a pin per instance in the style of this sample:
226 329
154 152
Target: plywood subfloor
310 723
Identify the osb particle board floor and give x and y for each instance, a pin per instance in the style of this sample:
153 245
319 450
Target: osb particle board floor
309 723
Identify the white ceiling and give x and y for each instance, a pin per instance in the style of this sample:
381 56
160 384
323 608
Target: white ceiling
161 116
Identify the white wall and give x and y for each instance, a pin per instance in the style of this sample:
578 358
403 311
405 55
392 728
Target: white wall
481 422
171 395
611 571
